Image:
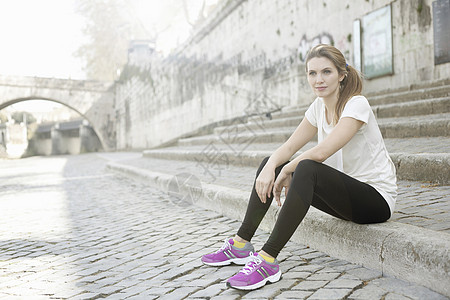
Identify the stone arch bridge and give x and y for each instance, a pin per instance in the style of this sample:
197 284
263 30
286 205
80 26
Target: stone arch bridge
92 99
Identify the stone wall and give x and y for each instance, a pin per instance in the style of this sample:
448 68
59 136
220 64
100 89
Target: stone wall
248 57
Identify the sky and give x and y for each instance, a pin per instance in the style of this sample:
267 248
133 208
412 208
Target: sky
39 37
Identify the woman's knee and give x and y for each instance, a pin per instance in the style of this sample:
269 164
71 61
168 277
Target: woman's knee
306 166
305 169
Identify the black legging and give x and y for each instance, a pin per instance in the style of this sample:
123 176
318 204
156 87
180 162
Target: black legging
321 186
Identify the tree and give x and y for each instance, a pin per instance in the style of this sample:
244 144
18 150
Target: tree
110 26
21 116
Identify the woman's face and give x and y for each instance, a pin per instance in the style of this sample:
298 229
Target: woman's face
323 77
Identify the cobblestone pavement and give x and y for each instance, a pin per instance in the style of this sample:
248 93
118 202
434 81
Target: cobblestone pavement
71 230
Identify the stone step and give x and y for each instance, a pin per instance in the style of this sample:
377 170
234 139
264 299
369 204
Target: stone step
285 112
400 127
293 117
387 97
413 108
426 159
416 126
412 87
409 252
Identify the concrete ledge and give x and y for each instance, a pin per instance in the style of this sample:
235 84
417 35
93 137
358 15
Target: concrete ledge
421 128
243 136
410 253
431 167
386 97
414 108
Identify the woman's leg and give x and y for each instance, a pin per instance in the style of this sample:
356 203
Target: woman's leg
256 210
232 250
329 190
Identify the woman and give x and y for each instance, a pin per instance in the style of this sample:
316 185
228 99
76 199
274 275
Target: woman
348 175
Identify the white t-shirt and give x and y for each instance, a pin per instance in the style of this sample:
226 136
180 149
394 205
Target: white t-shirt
364 157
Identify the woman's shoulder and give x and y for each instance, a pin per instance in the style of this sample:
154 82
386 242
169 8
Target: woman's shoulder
316 104
358 100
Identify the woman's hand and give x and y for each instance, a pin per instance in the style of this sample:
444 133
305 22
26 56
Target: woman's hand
264 183
283 181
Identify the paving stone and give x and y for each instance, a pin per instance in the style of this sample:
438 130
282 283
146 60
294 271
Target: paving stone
313 255
296 275
158 291
142 297
392 296
266 293
135 289
289 264
232 293
179 293
329 294
397 286
368 292
286 295
310 285
364 273
85 296
210 291
307 268
284 284
324 276
220 297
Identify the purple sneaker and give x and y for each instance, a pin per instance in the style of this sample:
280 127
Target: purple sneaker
229 254
255 274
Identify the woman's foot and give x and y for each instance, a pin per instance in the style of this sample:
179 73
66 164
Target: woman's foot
229 253
256 273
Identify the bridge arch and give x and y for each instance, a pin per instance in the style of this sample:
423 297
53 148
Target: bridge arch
91 99
14 101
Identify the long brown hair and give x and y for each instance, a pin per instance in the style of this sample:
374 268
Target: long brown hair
350 86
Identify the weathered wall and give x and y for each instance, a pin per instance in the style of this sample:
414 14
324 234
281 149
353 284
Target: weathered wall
248 58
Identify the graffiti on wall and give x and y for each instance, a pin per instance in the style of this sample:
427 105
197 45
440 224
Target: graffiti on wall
193 75
306 44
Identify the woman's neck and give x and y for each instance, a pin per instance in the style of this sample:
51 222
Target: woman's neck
330 108
330 103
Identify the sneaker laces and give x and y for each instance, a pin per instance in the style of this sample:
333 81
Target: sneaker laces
255 261
226 245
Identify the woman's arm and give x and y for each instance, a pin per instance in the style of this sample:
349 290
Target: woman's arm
302 135
344 131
